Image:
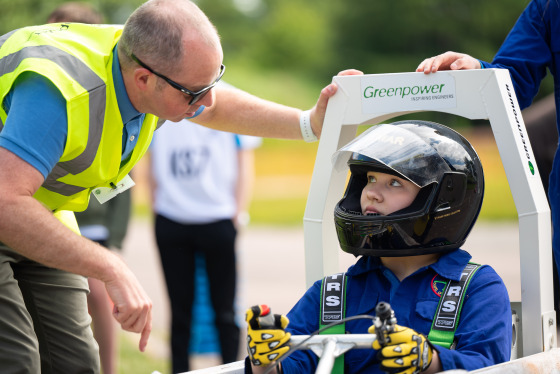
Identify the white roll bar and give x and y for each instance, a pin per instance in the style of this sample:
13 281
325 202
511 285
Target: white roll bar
474 94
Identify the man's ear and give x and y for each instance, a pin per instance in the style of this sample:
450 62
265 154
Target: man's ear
143 78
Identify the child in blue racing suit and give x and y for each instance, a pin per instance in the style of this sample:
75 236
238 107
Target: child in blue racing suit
414 194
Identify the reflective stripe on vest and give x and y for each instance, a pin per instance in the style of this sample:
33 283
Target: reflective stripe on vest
59 51
5 37
80 72
86 78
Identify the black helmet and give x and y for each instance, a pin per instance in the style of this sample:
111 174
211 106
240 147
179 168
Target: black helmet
434 157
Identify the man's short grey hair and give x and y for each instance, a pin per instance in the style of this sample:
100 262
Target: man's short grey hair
155 32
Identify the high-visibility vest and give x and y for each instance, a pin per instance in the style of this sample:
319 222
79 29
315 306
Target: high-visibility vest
77 59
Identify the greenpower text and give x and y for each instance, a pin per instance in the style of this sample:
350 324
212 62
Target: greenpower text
371 92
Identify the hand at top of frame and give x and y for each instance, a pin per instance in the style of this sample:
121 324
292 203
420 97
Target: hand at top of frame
319 110
448 61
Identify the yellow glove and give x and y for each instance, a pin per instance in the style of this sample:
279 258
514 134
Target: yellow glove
266 338
405 352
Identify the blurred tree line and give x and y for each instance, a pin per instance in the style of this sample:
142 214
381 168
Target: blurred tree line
322 37
318 38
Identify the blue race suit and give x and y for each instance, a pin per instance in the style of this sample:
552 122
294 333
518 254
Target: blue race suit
483 334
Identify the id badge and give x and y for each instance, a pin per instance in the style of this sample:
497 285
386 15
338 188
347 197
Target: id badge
104 194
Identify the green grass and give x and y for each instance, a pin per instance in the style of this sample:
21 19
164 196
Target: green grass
285 212
283 175
284 169
131 360
498 202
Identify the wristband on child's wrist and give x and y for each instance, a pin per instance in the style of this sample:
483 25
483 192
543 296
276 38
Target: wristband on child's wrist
305 127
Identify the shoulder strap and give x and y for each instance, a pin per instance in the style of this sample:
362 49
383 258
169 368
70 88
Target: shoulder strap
333 309
448 311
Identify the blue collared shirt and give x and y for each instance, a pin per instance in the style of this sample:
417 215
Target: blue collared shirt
132 119
484 331
36 127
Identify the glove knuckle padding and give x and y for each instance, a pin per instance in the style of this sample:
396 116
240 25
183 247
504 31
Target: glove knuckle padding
264 336
393 351
264 356
406 352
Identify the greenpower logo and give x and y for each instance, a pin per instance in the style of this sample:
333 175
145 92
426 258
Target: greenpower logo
401 92
371 92
531 168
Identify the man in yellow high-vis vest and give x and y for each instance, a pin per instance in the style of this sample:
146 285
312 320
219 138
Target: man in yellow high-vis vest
79 104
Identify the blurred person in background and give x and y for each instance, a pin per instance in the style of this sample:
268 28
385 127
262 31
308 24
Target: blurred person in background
75 11
201 186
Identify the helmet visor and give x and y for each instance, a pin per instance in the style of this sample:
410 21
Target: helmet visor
398 149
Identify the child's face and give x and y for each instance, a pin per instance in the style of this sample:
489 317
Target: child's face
386 193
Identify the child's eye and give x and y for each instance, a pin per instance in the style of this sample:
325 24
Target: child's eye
395 183
371 179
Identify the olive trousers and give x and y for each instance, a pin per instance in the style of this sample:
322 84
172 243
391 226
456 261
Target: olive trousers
44 324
